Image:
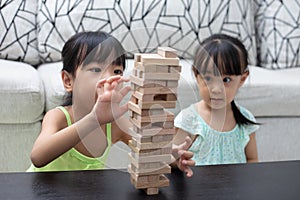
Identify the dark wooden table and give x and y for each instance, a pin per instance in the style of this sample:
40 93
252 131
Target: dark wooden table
268 181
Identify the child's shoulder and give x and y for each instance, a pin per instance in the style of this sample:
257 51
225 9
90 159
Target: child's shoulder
57 117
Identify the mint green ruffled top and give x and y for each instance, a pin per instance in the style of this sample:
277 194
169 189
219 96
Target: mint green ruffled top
212 147
73 159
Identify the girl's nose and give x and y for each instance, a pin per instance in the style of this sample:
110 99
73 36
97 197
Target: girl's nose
217 87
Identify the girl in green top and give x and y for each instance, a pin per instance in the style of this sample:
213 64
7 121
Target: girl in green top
77 136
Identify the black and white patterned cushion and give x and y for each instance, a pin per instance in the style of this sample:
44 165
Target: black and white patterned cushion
278 31
142 25
18 38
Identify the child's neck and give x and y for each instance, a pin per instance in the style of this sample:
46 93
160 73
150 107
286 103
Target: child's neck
218 119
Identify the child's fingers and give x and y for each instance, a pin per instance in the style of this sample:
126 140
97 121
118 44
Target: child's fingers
123 79
185 154
189 172
187 143
113 78
183 146
189 162
100 83
124 91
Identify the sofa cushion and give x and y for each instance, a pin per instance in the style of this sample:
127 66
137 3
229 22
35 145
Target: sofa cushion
271 92
18 36
16 144
278 33
143 25
22 93
54 90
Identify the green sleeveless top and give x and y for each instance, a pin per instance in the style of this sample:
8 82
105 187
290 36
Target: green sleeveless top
73 159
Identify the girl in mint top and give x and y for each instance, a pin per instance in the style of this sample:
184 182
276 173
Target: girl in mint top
221 131
78 135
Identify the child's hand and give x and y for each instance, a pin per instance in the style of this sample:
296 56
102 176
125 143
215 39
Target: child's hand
109 94
184 158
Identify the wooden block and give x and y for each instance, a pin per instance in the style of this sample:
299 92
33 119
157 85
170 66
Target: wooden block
147 125
153 158
167 52
137 57
150 152
156 90
159 76
152 131
155 139
163 181
161 169
140 105
152 115
147 68
151 191
157 68
155 59
174 68
141 82
150 145
171 84
146 178
163 69
161 138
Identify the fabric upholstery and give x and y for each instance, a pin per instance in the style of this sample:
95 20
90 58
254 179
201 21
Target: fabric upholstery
22 93
278 31
50 74
144 25
18 38
16 143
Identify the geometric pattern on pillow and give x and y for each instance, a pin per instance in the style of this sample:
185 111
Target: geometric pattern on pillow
278 33
18 38
143 25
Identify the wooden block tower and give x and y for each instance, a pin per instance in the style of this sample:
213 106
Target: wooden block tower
154 82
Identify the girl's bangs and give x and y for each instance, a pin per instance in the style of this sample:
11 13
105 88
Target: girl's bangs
108 52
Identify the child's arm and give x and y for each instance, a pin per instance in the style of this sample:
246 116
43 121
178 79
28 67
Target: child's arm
56 137
251 149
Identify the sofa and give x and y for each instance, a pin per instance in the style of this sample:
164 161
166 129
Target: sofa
32 35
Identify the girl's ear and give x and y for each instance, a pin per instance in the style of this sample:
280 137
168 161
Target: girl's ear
244 77
68 80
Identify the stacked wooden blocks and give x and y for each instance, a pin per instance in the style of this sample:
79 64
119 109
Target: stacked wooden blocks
154 83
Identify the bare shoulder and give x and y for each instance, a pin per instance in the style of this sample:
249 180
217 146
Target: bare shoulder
54 120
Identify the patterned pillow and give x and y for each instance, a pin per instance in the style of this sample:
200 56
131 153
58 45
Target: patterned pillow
142 25
278 30
18 37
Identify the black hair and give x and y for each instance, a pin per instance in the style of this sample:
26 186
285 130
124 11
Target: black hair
230 57
86 47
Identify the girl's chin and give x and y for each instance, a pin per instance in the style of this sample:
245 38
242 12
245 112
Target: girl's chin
217 104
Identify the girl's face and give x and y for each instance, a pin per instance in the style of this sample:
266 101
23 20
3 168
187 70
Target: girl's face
217 90
84 88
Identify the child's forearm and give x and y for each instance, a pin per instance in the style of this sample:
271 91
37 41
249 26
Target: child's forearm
46 149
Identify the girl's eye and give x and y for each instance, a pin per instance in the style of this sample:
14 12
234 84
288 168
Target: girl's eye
118 71
226 80
207 78
96 69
